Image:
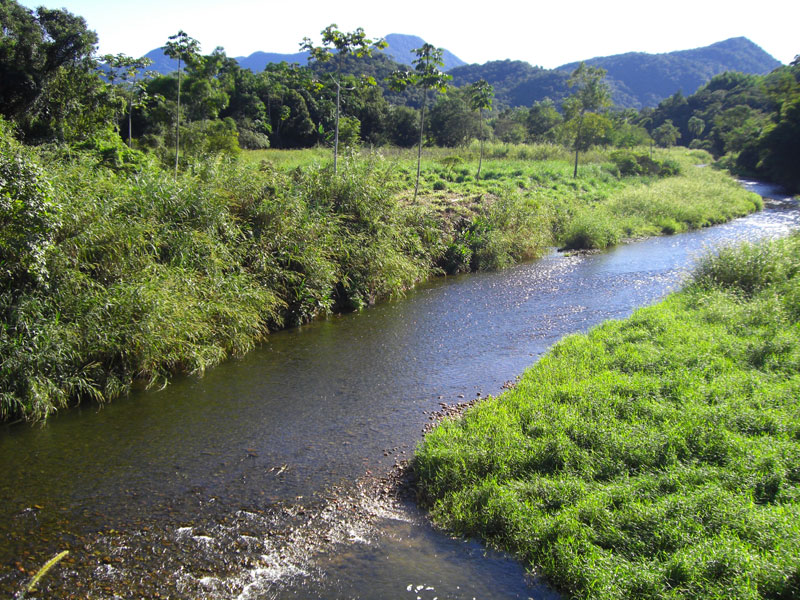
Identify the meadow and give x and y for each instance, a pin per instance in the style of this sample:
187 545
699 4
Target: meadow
654 457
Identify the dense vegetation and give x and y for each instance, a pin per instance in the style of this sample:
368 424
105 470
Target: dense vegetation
655 457
56 90
112 277
754 122
139 241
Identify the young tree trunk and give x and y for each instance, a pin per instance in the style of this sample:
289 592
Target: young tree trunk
336 134
419 149
480 160
178 118
130 119
577 145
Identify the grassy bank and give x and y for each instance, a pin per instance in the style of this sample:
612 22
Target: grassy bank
656 457
116 273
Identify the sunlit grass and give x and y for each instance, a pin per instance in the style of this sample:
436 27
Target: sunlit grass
120 277
653 457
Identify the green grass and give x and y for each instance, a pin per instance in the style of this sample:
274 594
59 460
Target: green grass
134 278
656 457
598 209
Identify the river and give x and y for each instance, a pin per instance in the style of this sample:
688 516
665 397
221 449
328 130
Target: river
262 479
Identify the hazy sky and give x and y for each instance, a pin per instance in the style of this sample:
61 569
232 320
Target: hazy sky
547 33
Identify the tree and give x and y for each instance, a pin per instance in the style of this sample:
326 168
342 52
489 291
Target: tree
183 48
696 126
427 76
127 69
510 126
666 134
543 118
452 122
337 45
481 95
403 126
591 95
35 49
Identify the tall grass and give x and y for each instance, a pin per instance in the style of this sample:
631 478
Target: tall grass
696 198
148 274
112 275
655 457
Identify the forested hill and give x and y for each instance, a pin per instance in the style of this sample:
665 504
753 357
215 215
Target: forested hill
637 79
649 78
400 50
515 82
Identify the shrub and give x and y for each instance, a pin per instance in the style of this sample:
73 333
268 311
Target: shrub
631 163
30 217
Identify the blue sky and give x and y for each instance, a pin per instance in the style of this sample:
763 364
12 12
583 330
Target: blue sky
542 33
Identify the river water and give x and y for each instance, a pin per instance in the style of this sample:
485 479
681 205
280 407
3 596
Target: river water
257 480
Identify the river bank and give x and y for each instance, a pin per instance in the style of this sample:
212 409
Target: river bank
652 456
116 280
183 488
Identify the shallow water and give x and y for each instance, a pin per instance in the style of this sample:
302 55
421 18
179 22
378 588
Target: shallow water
243 483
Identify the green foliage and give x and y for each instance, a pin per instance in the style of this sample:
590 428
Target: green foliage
542 120
426 76
640 163
109 278
354 44
30 218
694 198
591 95
34 49
750 121
750 268
403 125
116 272
654 457
111 152
666 134
452 120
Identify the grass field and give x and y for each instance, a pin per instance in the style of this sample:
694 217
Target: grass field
655 457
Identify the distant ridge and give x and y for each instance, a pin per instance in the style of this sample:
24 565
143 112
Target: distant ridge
258 61
649 78
400 50
637 79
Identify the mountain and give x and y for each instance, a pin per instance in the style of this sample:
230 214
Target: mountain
401 49
636 79
515 82
257 61
161 62
649 78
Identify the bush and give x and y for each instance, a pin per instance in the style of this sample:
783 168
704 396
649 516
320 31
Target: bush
30 217
253 140
589 231
749 268
630 163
